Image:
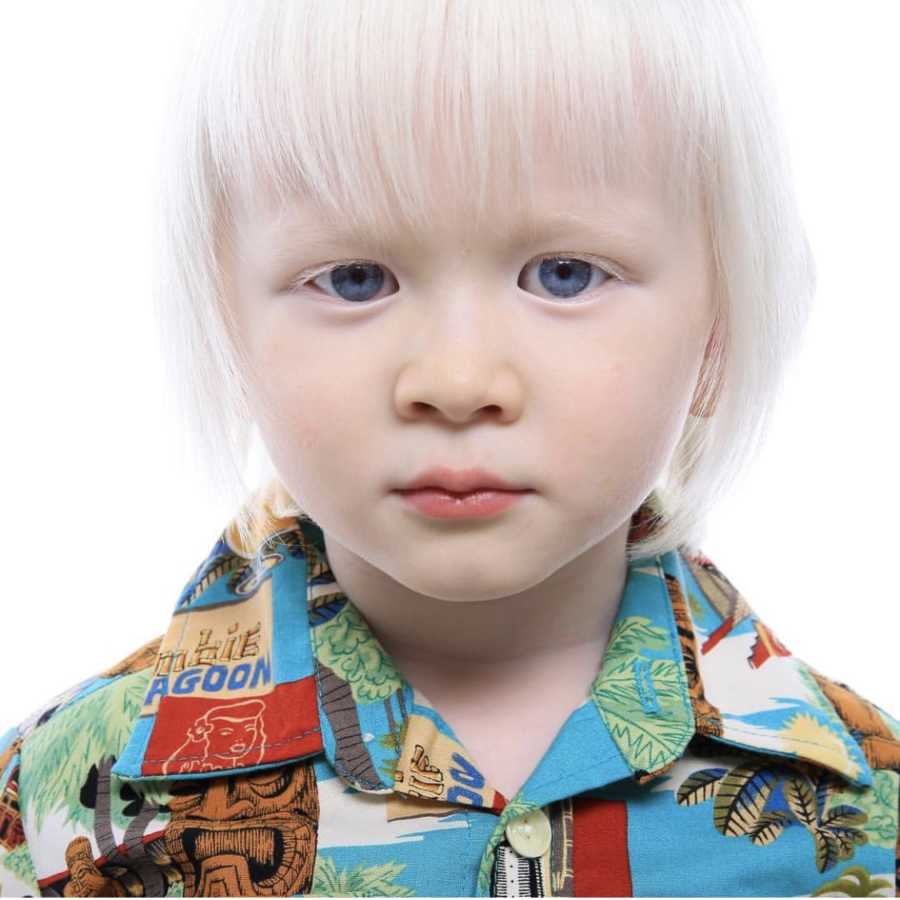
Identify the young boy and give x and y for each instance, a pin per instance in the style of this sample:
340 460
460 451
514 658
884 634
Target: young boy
506 296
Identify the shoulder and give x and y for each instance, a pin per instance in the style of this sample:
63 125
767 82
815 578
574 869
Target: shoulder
751 690
46 761
50 753
875 729
787 752
102 695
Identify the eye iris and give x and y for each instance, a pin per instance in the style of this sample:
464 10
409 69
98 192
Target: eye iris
564 277
357 281
561 276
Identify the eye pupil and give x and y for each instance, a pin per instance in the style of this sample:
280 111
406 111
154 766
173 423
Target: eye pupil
564 277
357 281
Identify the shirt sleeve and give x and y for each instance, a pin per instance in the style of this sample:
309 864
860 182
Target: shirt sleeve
18 877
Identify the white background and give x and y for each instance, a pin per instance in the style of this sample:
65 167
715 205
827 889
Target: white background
102 525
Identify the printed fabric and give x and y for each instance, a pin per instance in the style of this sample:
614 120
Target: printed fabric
265 745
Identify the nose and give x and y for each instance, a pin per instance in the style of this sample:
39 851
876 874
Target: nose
458 388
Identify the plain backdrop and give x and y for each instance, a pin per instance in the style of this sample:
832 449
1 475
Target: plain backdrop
102 524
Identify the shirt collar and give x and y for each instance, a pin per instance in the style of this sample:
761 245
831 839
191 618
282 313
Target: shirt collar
266 661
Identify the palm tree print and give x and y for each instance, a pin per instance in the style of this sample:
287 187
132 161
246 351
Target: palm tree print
361 881
760 800
854 881
96 795
60 753
21 865
351 669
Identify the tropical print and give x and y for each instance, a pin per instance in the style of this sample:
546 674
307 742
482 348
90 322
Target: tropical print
265 745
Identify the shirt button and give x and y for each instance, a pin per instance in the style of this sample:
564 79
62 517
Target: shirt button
529 834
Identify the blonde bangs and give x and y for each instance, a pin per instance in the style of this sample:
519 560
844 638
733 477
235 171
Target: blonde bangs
347 104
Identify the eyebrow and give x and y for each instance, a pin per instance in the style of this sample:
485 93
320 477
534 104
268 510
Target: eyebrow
322 233
608 224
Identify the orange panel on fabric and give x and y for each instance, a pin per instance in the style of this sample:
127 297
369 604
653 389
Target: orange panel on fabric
203 734
600 848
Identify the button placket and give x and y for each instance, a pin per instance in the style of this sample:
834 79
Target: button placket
529 834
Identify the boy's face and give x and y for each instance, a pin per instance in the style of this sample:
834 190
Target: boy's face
467 356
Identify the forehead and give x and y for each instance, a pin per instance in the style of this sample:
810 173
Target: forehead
557 199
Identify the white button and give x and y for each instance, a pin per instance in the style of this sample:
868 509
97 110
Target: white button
529 834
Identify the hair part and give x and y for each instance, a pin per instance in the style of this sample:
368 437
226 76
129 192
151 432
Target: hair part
345 102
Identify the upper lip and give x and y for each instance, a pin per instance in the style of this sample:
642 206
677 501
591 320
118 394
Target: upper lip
459 480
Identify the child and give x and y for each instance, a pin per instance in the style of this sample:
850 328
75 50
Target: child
505 292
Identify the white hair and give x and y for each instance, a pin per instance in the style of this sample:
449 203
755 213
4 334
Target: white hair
341 100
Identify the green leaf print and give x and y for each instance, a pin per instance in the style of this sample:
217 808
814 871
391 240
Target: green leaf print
801 798
829 849
878 803
854 881
700 786
346 645
633 634
767 828
843 815
740 798
19 862
361 881
650 730
58 755
390 741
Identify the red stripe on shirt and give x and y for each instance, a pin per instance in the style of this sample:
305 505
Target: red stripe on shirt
600 848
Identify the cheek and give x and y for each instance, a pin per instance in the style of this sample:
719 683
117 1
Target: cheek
288 408
300 417
624 414
313 412
294 384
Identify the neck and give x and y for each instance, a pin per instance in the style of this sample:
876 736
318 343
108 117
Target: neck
569 612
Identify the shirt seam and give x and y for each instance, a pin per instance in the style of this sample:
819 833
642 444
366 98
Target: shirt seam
264 747
674 639
793 740
605 759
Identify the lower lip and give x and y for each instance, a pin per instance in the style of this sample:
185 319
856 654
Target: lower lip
474 505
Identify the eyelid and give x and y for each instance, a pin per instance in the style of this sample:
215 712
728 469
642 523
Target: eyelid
601 262
314 272
309 274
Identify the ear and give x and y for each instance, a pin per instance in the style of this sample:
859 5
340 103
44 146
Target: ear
708 382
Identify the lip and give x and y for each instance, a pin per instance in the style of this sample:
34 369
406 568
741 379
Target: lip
479 504
460 481
474 493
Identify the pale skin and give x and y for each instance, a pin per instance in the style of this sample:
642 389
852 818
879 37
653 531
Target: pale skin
500 623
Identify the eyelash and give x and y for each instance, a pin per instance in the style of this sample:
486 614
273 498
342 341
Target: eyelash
308 276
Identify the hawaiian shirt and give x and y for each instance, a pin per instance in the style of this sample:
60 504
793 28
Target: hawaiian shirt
265 745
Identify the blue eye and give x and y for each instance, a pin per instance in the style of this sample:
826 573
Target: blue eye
358 281
564 276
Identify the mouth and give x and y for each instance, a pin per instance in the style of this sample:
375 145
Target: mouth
480 503
460 482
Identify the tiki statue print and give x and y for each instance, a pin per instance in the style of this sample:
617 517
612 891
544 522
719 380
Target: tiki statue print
251 835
